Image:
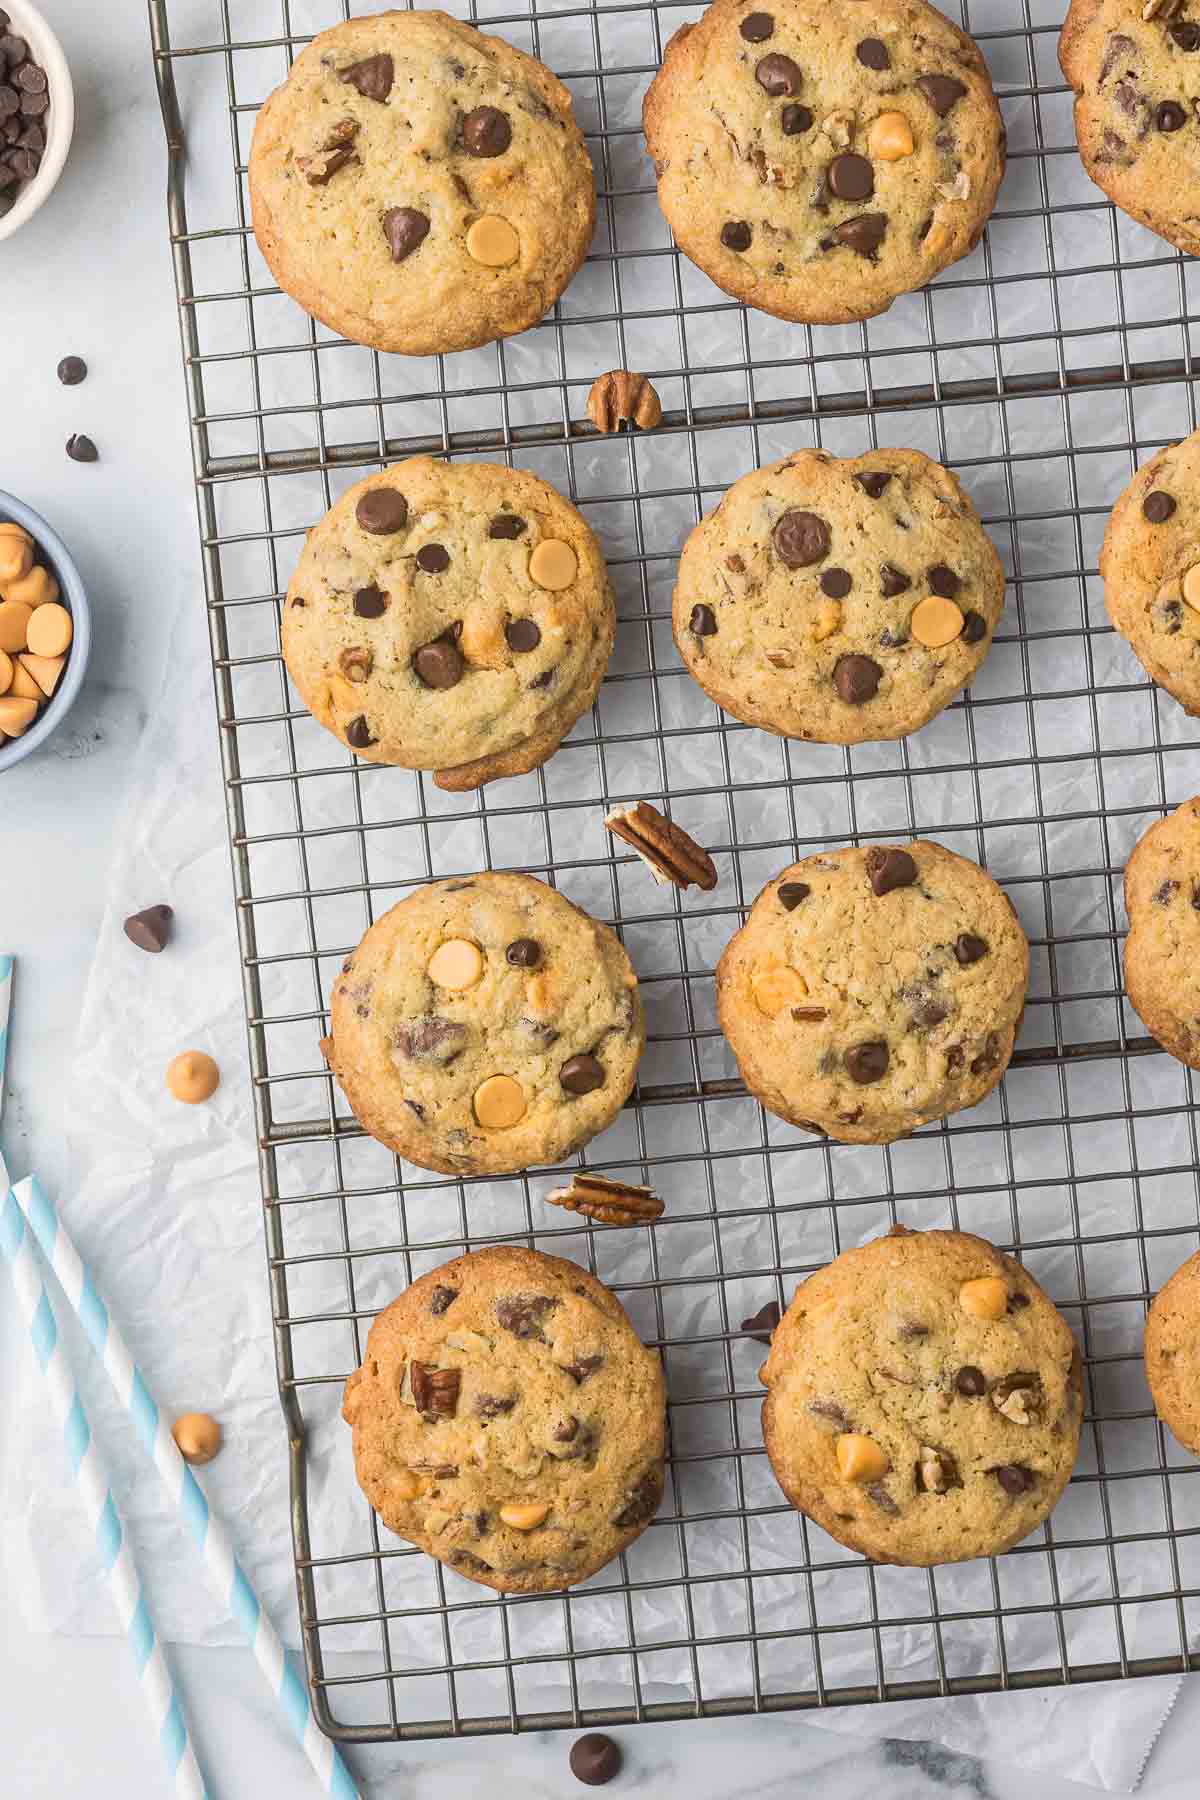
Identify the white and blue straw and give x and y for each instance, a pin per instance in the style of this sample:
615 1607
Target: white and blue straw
206 1529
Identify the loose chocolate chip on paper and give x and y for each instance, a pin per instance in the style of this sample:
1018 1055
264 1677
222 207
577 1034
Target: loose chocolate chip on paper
382 511
372 77
970 949
836 583
594 1759
889 869
703 622
405 230
778 75
801 538
850 177
757 27
370 602
72 370
761 1324
506 525
974 628
941 91
150 929
943 581
856 679
524 953
486 132
872 482
81 449
736 235
522 635
1170 116
970 1382
893 581
358 734
863 234
439 665
433 559
792 893
1158 507
872 54
867 1063
795 120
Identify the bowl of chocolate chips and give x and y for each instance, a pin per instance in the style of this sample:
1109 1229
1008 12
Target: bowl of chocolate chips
37 113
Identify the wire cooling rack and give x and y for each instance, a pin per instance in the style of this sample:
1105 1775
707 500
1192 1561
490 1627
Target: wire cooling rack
1042 369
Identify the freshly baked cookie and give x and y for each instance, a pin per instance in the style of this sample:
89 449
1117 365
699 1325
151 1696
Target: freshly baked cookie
822 157
1150 563
1172 1353
485 1025
838 600
1135 69
419 186
508 1420
1162 951
870 991
923 1399
450 616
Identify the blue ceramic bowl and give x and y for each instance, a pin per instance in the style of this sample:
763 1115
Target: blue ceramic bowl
54 553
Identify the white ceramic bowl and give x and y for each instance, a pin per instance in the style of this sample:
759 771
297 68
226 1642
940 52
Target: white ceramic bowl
28 23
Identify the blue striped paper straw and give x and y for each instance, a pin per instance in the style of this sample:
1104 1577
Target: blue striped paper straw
6 976
209 1533
98 1504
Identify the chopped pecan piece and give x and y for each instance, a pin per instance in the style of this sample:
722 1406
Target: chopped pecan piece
608 1202
435 1390
524 1314
937 1471
335 153
622 398
1016 1396
672 857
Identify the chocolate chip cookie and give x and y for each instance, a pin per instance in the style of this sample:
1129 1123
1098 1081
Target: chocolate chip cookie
842 601
822 157
450 616
419 186
1172 1353
484 1025
870 991
1150 563
923 1399
508 1420
1162 951
1135 69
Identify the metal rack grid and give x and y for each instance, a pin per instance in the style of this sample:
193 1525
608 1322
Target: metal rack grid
1042 369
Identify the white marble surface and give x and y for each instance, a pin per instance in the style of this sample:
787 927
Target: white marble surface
91 275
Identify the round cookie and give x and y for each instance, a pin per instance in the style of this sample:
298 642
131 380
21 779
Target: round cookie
1137 87
841 601
924 1399
486 1025
1172 1352
450 616
870 991
419 186
821 158
508 1420
1162 898
1150 563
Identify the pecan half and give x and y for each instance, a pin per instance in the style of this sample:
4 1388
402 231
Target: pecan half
623 398
435 1390
608 1202
334 154
672 857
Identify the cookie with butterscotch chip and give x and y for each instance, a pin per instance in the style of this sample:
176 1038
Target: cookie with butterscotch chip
1150 563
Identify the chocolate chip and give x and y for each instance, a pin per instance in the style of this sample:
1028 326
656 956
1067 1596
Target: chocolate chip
72 370
1158 507
889 869
524 1314
801 538
381 511
1170 116
441 1300
150 929
566 1431
836 583
1165 892
863 234
581 1074
486 132
703 622
850 177
1018 1302
736 234
796 119
777 76
756 28
642 1503
872 54
372 77
358 734
974 628
970 1382
538 1032
435 1390
506 525
893 581
405 230
969 949
867 1062
29 78
544 679
595 1759
522 635
433 559
370 603
941 91
792 893
493 1406
81 448
911 1329
943 581
989 1057
856 679
1014 1478
430 1039
761 1324
1186 36
873 482
581 1368
33 106
439 665
524 953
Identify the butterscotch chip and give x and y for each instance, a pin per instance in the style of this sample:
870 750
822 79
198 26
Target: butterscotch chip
775 986
14 625
1191 586
859 1458
193 1077
553 564
35 588
16 555
525 1517
499 1103
46 671
16 716
6 671
456 964
984 1298
49 631
23 686
890 137
493 242
935 622
198 1437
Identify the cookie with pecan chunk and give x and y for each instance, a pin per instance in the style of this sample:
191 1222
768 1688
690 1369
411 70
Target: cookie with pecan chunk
817 158
924 1399
508 1420
871 991
1150 563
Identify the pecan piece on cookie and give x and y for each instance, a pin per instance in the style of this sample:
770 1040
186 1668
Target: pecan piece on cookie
672 857
336 152
622 397
608 1202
